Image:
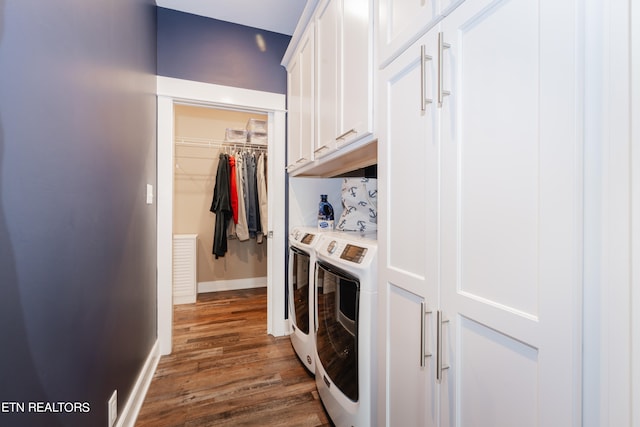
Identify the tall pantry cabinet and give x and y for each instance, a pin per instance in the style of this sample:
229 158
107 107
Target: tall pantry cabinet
480 178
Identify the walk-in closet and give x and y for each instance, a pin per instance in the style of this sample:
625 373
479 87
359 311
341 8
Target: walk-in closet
193 119
203 138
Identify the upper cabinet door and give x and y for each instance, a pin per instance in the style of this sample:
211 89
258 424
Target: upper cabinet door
511 214
402 22
293 107
357 71
307 95
300 102
328 111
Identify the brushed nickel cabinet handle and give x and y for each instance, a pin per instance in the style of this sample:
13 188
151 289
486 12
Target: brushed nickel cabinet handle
441 47
440 366
346 133
423 331
423 79
319 149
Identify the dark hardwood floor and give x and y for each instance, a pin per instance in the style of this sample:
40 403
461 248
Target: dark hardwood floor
226 371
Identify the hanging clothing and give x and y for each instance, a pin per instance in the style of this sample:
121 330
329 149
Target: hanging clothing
262 191
244 203
221 206
233 189
251 195
242 229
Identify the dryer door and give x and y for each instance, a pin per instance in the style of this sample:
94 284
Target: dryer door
299 289
338 296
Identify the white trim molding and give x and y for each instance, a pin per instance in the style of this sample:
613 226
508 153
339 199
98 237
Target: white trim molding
172 91
616 283
131 409
635 213
232 285
164 235
611 300
193 92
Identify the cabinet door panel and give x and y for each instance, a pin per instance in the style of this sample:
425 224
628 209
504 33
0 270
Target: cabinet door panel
401 22
510 241
328 91
498 104
411 155
412 400
307 95
495 359
357 71
293 107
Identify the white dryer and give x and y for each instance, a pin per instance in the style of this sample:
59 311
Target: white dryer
346 330
301 298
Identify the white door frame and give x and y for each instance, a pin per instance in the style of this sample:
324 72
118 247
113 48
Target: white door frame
635 211
611 349
169 92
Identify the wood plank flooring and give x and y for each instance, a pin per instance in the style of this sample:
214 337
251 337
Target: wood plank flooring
226 371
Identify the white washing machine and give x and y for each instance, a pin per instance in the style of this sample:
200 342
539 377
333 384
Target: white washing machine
346 330
301 298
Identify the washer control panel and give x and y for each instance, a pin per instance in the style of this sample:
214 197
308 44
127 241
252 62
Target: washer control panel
308 238
353 253
303 236
349 250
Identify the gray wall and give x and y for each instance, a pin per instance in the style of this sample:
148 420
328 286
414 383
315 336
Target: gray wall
192 47
77 241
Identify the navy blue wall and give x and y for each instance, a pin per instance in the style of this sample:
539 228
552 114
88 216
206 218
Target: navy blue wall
192 47
77 241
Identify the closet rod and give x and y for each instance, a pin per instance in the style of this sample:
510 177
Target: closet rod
213 143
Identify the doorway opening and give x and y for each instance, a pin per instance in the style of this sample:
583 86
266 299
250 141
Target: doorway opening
173 94
205 137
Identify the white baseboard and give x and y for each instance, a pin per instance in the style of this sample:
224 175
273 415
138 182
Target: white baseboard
232 285
127 417
184 299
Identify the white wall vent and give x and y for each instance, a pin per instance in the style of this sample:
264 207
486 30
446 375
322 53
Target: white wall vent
184 268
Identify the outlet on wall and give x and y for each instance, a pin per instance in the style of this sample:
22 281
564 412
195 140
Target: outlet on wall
113 408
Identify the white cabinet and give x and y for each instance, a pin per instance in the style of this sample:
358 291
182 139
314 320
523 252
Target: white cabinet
480 214
307 97
301 100
330 87
408 180
293 107
402 22
328 114
357 71
344 73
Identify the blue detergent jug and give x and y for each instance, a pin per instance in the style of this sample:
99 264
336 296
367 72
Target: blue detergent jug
325 214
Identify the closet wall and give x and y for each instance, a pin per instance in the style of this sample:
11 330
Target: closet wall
195 177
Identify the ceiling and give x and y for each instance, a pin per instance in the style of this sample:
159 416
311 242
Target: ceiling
280 16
